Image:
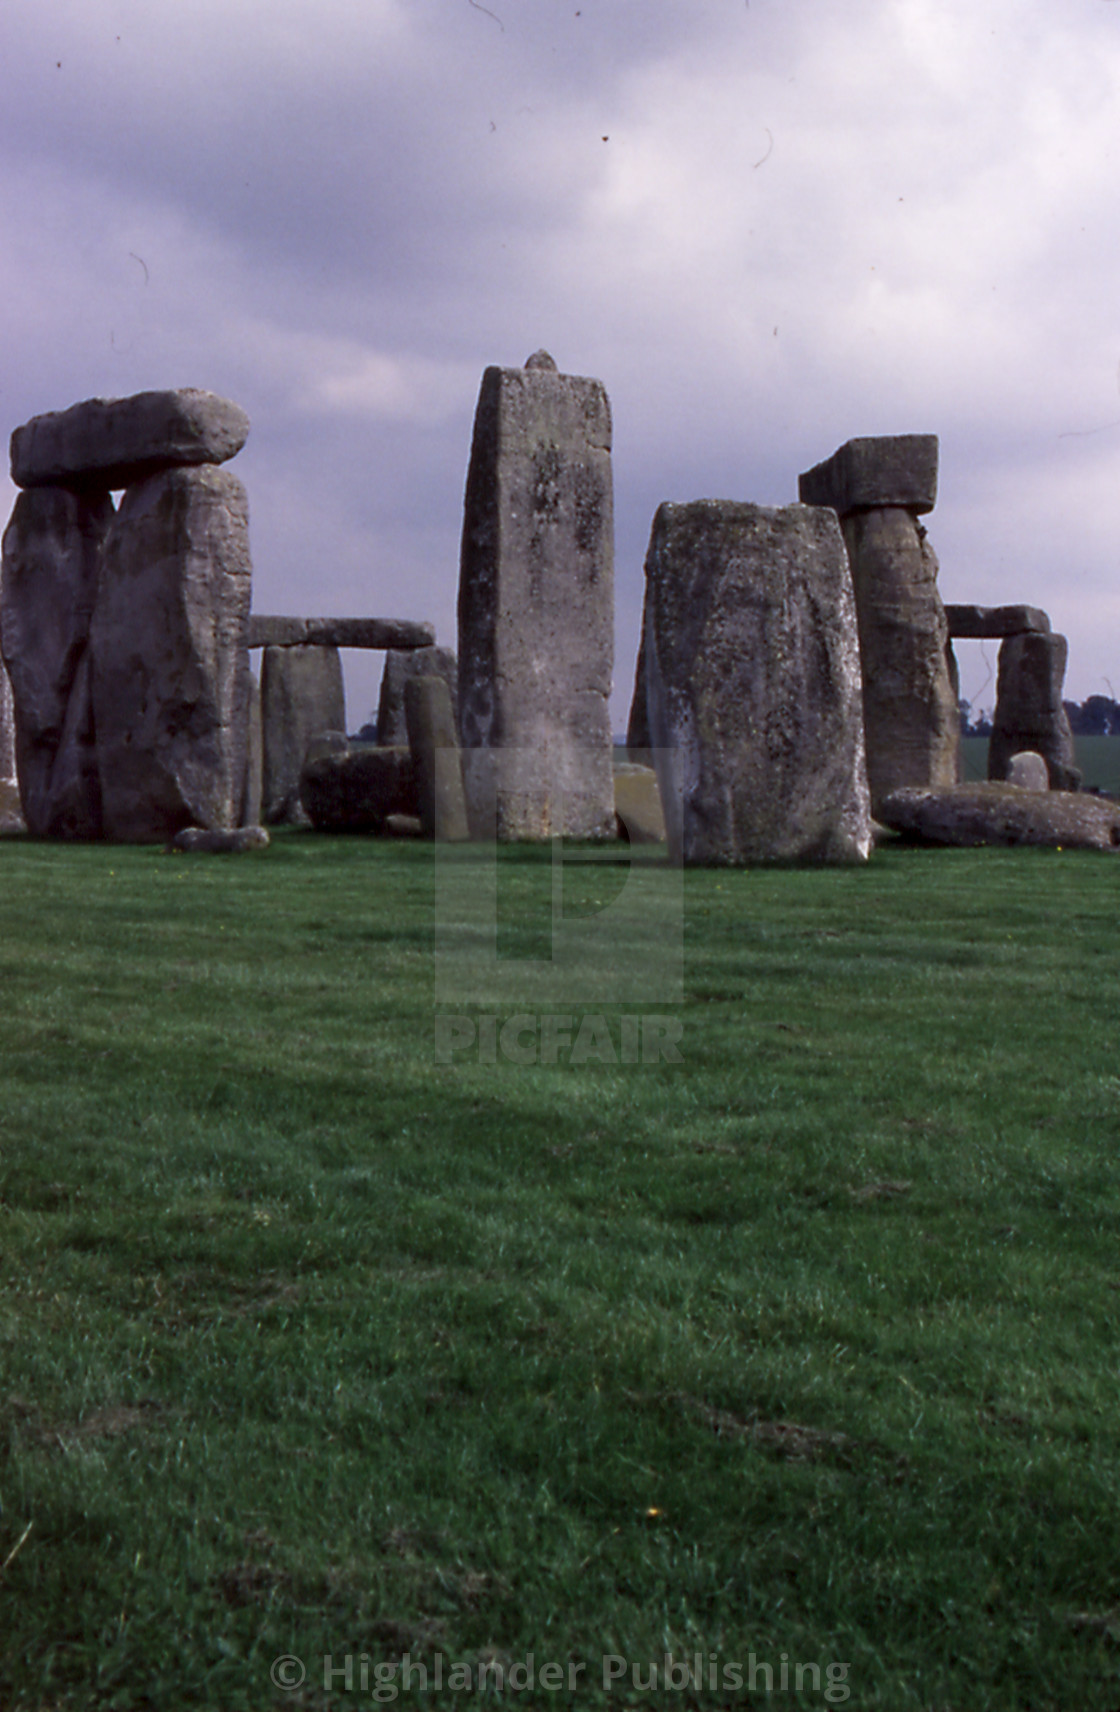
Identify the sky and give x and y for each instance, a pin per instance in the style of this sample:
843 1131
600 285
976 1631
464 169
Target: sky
767 226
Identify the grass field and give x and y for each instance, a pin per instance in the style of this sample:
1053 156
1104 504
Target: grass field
799 1356
1098 758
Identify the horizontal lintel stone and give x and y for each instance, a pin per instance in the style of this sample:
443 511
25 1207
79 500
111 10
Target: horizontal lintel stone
981 622
862 475
113 442
270 632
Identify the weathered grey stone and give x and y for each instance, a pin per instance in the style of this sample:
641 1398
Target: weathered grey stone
1029 712
266 631
878 487
7 730
896 469
327 743
999 813
112 442
752 663
910 708
392 727
980 622
219 841
302 694
434 744
170 666
1029 771
637 804
51 559
11 811
536 608
254 760
357 790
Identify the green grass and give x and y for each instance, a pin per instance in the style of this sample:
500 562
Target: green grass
807 1345
1098 758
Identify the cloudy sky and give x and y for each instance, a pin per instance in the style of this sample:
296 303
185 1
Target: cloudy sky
766 225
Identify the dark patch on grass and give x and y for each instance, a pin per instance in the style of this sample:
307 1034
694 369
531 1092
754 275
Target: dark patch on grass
884 1191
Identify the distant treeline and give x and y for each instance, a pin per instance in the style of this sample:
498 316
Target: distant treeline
1096 716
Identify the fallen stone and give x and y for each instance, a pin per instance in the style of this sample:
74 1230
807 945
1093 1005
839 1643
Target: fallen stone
752 662
1004 814
895 469
434 745
1029 771
269 632
910 709
357 790
536 608
1029 711
170 667
404 826
220 841
637 804
981 622
112 442
327 743
392 726
51 561
302 694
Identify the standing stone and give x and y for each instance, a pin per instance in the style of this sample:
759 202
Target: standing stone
911 711
1029 712
7 730
170 663
637 804
434 746
752 663
536 607
252 792
1029 771
302 693
879 487
392 727
51 557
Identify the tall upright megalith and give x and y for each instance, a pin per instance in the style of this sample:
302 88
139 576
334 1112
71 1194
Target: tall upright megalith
170 656
302 695
1029 712
51 562
400 665
879 487
7 729
124 631
433 742
536 607
753 685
